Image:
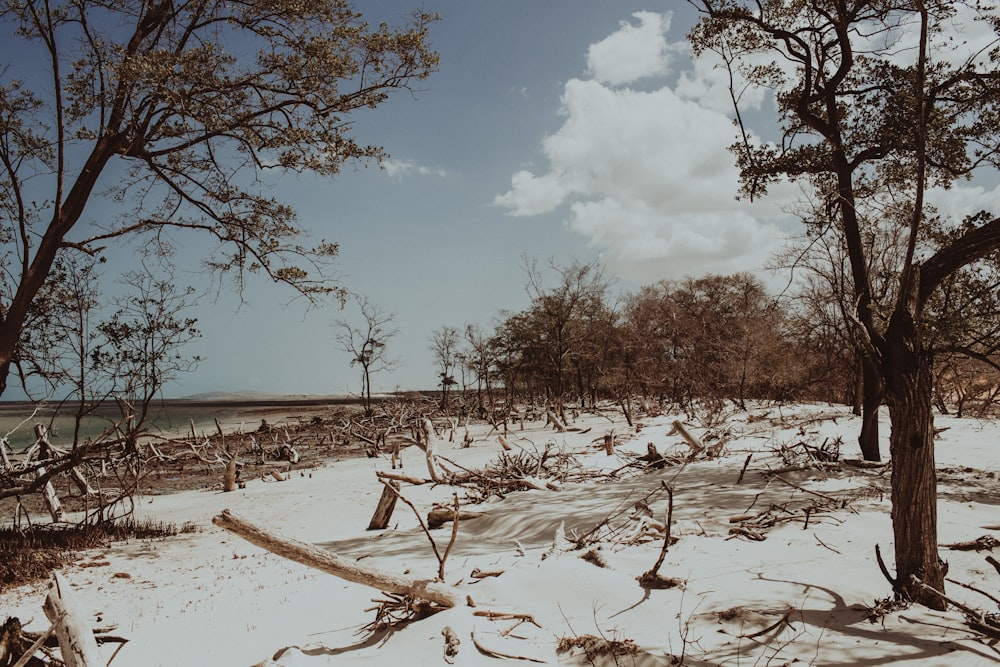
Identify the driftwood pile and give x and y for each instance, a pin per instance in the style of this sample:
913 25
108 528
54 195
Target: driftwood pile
77 644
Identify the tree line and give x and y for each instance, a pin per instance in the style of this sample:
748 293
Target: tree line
701 344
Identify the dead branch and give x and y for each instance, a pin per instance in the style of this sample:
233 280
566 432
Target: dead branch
451 542
76 641
774 626
982 543
349 570
884 569
805 490
970 587
497 654
975 619
994 562
400 477
652 578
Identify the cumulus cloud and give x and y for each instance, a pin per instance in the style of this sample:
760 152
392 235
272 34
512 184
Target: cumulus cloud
646 174
961 201
633 53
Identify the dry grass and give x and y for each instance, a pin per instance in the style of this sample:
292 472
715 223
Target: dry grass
32 554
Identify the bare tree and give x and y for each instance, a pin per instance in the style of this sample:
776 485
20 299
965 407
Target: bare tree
481 359
366 343
444 345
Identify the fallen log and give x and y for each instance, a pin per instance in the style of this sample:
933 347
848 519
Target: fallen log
696 445
439 516
348 570
76 641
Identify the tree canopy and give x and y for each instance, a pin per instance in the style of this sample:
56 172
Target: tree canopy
173 114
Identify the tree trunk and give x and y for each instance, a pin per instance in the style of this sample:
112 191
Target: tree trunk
909 389
871 401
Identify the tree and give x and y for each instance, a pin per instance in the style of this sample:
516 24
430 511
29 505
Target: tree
444 345
367 344
710 340
481 359
869 125
142 343
559 322
172 114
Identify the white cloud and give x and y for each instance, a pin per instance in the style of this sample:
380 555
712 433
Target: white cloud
399 168
711 84
647 177
958 202
532 195
634 52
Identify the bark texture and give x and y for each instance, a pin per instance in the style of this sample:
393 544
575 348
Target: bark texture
909 388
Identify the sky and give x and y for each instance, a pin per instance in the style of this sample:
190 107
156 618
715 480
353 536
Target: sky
555 131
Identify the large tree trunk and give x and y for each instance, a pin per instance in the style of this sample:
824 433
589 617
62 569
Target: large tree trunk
871 401
908 393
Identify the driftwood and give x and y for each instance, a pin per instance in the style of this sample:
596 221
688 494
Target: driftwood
385 507
229 481
451 642
697 447
557 424
48 450
429 445
51 499
497 654
4 459
400 477
350 570
76 641
439 516
537 483
426 440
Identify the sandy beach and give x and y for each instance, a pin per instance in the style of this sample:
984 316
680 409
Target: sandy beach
794 586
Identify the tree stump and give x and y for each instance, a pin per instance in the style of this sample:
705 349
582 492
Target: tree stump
386 505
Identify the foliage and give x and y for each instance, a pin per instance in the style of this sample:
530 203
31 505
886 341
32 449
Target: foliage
172 115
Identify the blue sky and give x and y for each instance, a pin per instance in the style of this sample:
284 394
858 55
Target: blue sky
537 136
560 130
437 236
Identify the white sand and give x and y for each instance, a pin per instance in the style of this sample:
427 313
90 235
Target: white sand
210 598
